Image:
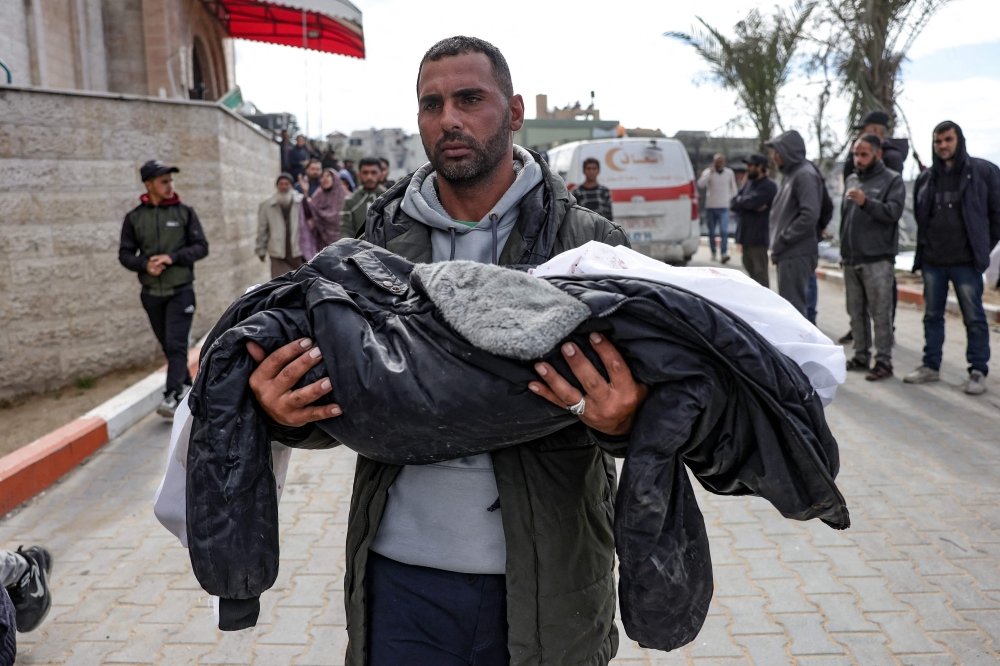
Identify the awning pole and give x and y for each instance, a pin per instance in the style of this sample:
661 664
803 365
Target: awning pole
305 56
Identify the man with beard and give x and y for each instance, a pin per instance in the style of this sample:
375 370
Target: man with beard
278 228
309 182
503 558
352 216
753 206
957 206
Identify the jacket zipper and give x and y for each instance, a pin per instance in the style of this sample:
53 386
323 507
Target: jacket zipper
364 534
156 217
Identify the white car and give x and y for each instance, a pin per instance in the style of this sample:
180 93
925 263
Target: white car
653 191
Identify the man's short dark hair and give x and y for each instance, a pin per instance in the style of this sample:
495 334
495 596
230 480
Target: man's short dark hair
945 126
313 161
383 161
592 160
872 140
369 161
459 45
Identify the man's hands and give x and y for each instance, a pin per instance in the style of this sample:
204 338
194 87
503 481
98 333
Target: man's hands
278 372
611 406
158 263
304 184
857 196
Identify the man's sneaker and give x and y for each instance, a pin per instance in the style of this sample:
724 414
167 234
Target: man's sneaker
857 365
879 372
30 595
844 339
168 406
976 383
922 375
725 259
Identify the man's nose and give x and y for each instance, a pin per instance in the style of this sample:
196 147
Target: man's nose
451 118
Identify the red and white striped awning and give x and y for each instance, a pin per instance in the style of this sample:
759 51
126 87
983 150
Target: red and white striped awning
330 26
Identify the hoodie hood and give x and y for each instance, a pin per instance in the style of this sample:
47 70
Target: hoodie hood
792 149
961 155
173 200
483 241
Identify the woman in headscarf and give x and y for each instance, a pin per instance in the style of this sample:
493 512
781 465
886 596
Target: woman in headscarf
322 213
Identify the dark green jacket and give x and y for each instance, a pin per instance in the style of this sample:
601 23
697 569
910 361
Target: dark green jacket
352 215
170 228
556 494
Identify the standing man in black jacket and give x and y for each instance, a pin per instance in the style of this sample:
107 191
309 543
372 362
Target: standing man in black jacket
957 206
869 241
161 240
753 206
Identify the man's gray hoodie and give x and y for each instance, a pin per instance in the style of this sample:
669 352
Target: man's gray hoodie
795 210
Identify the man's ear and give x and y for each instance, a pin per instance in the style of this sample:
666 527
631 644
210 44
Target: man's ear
516 112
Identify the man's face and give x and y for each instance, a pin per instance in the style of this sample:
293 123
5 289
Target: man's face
284 186
865 156
877 130
591 170
776 156
465 119
313 171
349 165
753 171
162 187
720 162
300 141
385 171
945 144
370 175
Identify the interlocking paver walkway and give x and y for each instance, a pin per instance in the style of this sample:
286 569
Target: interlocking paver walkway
914 582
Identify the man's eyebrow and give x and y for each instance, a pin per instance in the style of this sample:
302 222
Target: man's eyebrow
432 97
465 92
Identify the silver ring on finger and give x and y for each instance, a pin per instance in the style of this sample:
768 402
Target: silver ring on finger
579 408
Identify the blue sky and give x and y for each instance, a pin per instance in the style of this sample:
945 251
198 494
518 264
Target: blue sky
616 49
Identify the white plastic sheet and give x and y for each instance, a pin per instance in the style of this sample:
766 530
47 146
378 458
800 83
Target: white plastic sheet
993 270
821 360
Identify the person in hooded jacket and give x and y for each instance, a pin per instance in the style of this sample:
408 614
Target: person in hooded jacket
869 241
795 215
502 558
957 206
161 240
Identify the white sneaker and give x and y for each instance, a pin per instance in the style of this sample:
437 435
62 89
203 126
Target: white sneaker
922 375
976 384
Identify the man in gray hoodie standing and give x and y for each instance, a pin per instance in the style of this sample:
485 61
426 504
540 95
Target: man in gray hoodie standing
794 218
504 558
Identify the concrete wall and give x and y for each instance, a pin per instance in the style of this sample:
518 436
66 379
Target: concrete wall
68 174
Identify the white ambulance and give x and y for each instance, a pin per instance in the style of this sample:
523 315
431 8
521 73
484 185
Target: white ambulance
653 192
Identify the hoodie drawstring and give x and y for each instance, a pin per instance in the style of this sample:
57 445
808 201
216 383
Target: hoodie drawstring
493 219
452 230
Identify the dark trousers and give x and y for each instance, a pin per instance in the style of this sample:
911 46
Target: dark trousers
793 280
812 299
170 317
755 261
420 616
969 289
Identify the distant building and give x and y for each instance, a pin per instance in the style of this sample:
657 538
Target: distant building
416 157
643 133
702 148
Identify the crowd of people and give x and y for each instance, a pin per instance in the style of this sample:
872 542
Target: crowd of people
957 210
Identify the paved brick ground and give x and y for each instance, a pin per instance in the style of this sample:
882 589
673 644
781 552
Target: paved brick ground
914 582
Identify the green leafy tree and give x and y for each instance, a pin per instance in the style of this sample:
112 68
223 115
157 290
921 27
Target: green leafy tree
871 39
755 62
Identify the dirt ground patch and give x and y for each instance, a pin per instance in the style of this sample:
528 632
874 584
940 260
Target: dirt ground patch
29 417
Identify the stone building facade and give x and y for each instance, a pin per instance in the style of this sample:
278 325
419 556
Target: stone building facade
69 171
172 49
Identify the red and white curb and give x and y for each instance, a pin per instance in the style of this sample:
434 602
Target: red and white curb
33 468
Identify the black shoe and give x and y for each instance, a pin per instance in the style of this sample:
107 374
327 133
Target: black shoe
169 405
857 365
30 595
845 339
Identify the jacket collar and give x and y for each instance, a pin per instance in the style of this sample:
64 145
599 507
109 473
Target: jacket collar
877 169
296 198
172 201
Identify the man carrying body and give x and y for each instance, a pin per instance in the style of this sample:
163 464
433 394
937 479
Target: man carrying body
592 195
278 228
794 219
869 241
753 205
161 240
957 206
504 558
719 182
352 218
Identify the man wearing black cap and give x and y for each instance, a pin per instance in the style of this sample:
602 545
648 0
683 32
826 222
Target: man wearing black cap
753 208
161 240
894 151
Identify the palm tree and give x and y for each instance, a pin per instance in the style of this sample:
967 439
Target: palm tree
871 43
756 62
